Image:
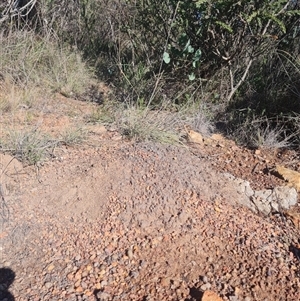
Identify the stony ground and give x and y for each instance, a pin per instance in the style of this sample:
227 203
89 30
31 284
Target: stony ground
117 220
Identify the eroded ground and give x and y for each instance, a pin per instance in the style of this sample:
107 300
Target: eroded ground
116 220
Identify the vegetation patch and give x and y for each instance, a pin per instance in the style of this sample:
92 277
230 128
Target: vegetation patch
160 60
29 146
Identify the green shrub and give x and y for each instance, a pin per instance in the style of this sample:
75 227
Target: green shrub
239 54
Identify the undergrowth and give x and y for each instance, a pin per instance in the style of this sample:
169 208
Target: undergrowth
169 65
262 132
31 146
32 66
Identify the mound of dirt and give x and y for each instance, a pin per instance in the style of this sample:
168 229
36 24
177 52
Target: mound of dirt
126 221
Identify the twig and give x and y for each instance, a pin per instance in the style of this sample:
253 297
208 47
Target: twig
4 210
232 92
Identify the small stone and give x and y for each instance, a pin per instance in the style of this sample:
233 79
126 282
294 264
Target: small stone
79 289
77 275
103 283
48 285
88 293
178 293
70 276
134 274
96 264
210 296
77 283
205 286
92 257
165 282
84 285
103 296
129 253
115 257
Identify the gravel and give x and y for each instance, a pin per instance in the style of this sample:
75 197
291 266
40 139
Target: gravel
145 222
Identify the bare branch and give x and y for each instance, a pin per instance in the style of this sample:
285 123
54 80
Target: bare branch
232 92
13 9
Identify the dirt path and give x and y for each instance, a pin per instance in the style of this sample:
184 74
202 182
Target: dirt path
124 221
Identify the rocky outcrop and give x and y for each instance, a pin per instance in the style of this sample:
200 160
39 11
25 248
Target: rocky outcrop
264 201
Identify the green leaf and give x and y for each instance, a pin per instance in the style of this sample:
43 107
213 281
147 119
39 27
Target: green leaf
192 76
187 45
278 22
196 58
183 39
190 49
200 2
293 12
225 26
252 16
166 57
197 55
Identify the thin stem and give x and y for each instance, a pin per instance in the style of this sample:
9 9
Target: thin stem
161 63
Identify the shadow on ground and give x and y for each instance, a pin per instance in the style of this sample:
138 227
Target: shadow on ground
195 294
7 277
295 251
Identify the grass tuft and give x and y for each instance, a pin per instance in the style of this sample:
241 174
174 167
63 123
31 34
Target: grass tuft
28 60
74 136
142 124
28 146
14 97
261 133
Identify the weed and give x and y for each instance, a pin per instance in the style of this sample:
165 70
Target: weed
13 97
144 124
29 146
103 114
198 117
74 136
261 133
67 73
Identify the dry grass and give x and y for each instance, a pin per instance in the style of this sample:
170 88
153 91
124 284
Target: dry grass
74 136
104 114
14 97
198 117
142 124
67 74
259 133
32 69
32 66
29 146
139 123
